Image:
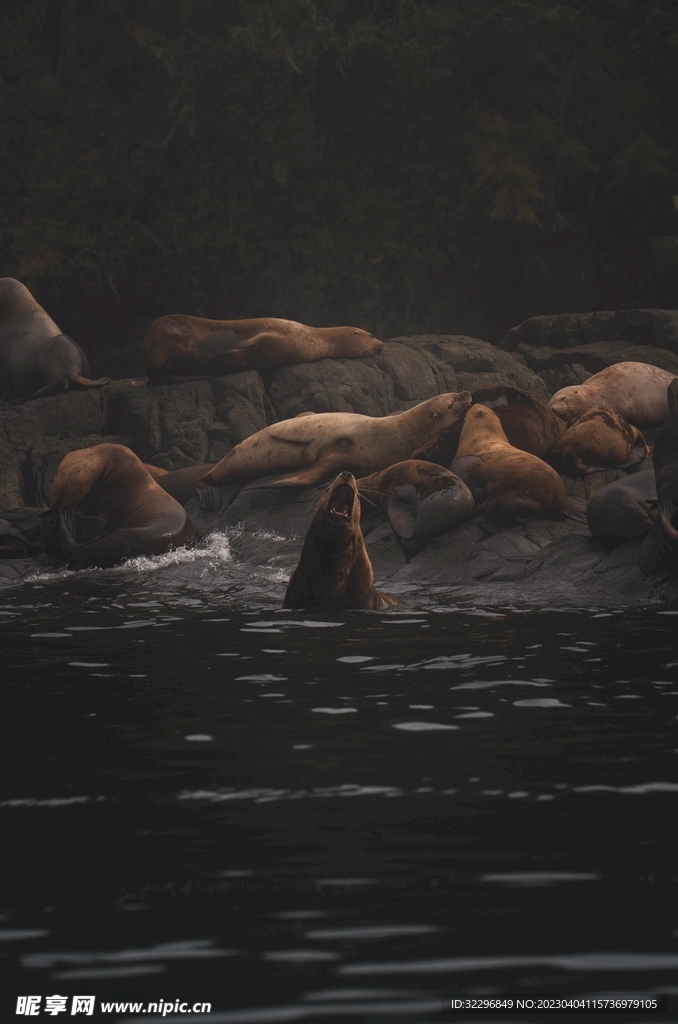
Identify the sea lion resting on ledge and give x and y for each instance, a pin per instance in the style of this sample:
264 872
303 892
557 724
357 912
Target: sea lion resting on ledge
512 485
179 347
637 391
597 440
313 446
123 510
334 569
36 359
422 500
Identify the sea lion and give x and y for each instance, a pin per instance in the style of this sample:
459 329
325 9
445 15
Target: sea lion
421 500
621 511
597 440
120 509
334 569
528 422
14 543
36 359
637 391
511 485
659 550
180 483
179 347
315 446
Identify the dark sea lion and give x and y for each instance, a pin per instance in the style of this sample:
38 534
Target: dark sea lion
36 359
179 347
621 511
659 550
421 500
334 570
315 446
14 543
510 485
637 391
528 422
106 494
597 440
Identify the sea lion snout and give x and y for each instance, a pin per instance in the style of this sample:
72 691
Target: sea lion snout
341 500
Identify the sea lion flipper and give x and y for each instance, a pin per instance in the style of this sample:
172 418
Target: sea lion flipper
315 474
69 544
655 552
208 498
402 511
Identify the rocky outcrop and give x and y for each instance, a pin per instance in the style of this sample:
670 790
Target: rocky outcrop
177 425
568 348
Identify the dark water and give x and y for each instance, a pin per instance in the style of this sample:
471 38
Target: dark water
310 816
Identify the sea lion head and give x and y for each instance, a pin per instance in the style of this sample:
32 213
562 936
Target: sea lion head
339 507
441 422
354 342
15 297
569 403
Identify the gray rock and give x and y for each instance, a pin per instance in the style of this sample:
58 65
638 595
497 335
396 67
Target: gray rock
595 357
658 327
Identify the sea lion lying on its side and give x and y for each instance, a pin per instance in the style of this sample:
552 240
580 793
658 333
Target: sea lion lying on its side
334 569
599 439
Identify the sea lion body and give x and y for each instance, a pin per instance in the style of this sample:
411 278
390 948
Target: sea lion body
122 510
526 419
598 439
510 485
334 569
637 391
659 550
179 347
620 511
422 500
314 446
36 359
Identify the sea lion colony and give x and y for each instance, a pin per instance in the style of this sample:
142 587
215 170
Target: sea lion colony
503 447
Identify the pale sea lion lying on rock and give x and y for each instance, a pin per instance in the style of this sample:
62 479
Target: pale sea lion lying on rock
659 550
179 347
334 569
314 446
597 440
122 511
622 511
510 485
528 422
422 500
637 391
36 359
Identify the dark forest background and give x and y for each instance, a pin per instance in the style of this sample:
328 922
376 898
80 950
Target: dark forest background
406 166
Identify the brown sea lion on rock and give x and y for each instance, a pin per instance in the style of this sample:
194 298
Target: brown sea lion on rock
659 550
621 511
637 391
179 347
511 486
421 500
36 359
314 446
526 419
334 569
597 440
121 510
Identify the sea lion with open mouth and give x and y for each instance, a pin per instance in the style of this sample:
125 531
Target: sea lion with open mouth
334 569
36 359
120 510
179 347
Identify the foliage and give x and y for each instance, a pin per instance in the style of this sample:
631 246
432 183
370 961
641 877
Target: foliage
383 162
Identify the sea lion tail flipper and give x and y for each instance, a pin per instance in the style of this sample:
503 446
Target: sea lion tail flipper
315 474
208 497
402 511
67 518
666 510
85 382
